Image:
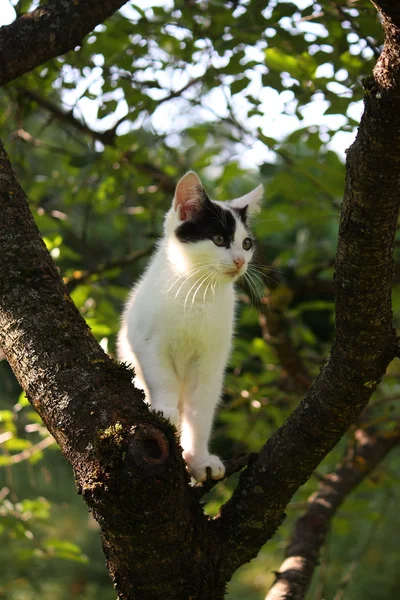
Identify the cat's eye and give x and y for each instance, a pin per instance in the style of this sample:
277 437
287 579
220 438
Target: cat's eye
247 244
218 240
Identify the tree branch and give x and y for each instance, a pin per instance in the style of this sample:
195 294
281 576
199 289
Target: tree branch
167 98
107 138
232 466
365 341
21 134
83 276
47 32
345 16
275 332
29 452
301 556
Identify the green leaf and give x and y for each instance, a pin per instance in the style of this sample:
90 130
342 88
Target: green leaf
239 85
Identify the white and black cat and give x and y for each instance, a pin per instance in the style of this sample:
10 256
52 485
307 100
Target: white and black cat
177 325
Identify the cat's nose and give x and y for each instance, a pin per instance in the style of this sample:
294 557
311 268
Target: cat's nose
239 262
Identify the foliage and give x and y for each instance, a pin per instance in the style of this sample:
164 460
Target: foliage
99 138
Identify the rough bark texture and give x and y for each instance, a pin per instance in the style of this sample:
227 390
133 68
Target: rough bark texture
49 31
301 556
126 461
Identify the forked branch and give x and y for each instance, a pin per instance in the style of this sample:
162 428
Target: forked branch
302 553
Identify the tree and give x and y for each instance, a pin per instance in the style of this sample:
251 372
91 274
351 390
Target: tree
127 464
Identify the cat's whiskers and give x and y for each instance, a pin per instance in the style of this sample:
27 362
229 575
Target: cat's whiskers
202 278
210 275
265 290
187 279
214 285
266 267
258 283
212 280
187 275
260 274
255 292
257 288
246 278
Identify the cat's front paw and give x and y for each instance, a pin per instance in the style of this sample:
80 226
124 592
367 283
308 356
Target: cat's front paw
172 414
198 465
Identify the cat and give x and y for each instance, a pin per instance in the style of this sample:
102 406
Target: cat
177 326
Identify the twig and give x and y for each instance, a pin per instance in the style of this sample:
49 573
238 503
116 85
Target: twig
313 17
315 181
275 333
346 579
167 98
288 160
4 493
7 435
107 138
82 276
231 467
356 28
24 135
311 529
14 459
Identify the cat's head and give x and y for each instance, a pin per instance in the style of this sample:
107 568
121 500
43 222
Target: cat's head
210 235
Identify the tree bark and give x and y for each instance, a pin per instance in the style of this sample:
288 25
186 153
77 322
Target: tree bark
127 463
49 31
302 553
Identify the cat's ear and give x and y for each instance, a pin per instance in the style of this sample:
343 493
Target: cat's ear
249 204
189 196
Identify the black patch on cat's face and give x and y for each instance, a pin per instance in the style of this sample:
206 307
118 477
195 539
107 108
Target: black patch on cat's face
210 220
242 214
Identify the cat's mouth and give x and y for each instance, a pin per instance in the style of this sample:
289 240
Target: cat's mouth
234 272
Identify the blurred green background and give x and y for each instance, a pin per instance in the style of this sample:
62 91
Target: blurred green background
242 93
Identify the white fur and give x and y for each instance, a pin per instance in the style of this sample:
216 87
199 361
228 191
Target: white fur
177 327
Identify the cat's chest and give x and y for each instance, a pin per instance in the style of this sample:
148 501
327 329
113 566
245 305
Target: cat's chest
197 336
198 323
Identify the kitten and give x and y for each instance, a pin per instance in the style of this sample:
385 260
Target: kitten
177 325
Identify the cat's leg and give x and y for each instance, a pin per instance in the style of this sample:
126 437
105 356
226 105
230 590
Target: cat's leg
201 396
161 383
